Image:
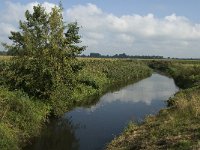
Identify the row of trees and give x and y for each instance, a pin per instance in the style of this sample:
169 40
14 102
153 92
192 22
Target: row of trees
3 53
123 55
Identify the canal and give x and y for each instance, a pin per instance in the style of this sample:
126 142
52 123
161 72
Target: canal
93 127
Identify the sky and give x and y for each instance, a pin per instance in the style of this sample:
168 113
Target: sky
170 28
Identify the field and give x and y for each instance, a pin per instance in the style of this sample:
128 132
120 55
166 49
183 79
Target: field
178 126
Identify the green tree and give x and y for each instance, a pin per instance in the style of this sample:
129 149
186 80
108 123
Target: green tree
45 65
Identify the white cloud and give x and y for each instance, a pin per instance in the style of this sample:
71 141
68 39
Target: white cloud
134 34
5 29
12 13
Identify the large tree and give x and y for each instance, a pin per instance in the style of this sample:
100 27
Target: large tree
45 47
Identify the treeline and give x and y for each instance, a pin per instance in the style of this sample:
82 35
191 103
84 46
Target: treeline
123 55
8 53
3 53
94 55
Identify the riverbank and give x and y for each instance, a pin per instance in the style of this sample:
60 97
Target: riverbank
103 75
178 126
22 116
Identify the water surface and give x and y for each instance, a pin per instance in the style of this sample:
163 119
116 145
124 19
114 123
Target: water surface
91 128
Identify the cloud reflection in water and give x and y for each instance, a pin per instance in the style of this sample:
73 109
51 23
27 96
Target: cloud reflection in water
146 91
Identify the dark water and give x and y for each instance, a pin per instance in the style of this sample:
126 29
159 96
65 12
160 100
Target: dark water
91 128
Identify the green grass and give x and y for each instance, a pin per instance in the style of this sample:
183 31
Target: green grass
20 118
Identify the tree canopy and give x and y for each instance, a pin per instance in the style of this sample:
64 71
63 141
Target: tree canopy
45 47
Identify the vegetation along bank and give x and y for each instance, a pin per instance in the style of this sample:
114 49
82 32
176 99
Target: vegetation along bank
176 127
22 115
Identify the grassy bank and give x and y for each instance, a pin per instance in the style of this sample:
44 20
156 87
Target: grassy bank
102 75
178 126
22 116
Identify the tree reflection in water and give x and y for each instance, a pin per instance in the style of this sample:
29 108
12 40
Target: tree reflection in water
59 135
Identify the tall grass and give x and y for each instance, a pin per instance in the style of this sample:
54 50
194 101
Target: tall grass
100 75
20 118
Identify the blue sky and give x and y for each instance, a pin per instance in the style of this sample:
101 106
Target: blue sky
136 27
187 8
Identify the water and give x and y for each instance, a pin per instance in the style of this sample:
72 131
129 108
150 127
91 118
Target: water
92 128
